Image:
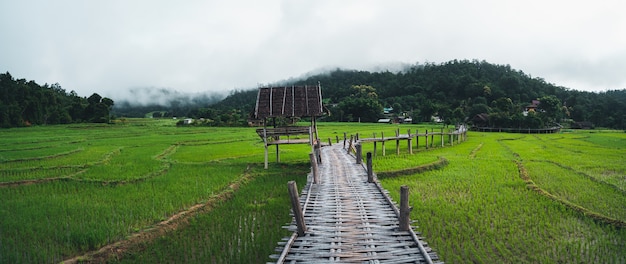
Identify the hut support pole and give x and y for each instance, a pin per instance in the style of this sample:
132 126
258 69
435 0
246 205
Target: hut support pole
265 142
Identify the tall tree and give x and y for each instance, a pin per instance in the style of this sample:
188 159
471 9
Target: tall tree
362 105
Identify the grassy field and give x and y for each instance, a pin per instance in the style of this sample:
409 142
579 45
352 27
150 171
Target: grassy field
478 209
499 198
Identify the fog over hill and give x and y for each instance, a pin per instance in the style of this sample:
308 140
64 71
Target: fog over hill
137 102
145 96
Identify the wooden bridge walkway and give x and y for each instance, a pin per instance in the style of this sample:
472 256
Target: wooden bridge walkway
349 220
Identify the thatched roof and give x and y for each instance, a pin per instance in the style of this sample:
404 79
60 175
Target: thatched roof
289 101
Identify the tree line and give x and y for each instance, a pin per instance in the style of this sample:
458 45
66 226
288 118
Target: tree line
457 91
475 92
461 90
25 103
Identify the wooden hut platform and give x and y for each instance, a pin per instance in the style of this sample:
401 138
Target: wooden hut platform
287 102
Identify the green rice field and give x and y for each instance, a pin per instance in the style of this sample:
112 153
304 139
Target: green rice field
68 190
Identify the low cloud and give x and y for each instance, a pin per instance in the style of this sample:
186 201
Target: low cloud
151 96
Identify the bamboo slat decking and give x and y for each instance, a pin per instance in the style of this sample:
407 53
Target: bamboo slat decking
349 220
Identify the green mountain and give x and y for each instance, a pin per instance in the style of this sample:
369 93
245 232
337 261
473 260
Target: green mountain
459 91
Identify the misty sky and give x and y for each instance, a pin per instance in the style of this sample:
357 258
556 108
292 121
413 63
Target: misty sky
110 46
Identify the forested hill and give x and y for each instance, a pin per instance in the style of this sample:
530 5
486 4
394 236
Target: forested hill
25 103
456 91
474 91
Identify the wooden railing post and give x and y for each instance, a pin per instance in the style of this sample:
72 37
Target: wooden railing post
374 134
370 172
432 137
409 139
350 144
314 167
442 138
405 210
398 141
382 137
297 209
426 137
417 138
359 154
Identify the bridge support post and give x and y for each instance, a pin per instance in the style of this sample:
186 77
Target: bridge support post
297 209
370 172
405 210
314 168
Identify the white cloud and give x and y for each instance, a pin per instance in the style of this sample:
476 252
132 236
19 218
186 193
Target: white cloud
194 46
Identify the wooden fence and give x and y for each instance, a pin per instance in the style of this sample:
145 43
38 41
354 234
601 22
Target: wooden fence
415 140
518 130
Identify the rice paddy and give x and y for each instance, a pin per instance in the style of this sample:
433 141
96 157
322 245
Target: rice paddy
503 198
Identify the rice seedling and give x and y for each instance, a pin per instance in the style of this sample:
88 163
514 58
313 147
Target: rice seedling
480 210
244 229
117 180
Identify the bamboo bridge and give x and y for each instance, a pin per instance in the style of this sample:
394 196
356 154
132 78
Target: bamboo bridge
344 216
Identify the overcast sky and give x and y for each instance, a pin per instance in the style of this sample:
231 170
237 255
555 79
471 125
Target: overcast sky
110 46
